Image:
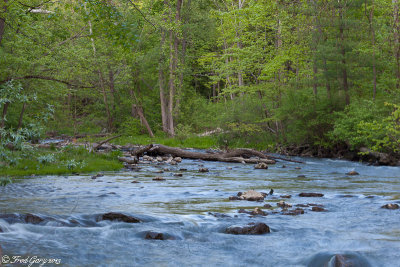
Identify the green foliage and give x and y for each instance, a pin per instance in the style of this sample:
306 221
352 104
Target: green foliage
349 123
5 181
383 134
131 127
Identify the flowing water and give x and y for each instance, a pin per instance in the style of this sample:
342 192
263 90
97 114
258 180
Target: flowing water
194 211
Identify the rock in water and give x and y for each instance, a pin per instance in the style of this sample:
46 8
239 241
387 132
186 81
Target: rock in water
352 173
114 216
158 179
33 219
203 170
318 209
155 236
261 165
390 206
282 204
252 195
311 195
258 211
256 229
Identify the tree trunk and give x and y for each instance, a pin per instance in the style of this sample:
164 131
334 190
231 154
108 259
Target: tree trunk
2 21
3 117
161 82
144 121
343 53
21 115
396 39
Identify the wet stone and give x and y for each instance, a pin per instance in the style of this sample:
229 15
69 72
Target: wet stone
234 198
33 219
203 170
158 179
182 169
256 229
311 195
239 194
258 211
178 159
252 195
301 176
302 205
352 173
268 206
282 204
114 216
286 196
178 174
134 182
261 165
218 215
154 236
294 212
390 206
318 209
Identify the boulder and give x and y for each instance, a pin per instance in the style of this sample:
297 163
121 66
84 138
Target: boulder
390 206
33 219
114 216
255 229
311 195
261 165
252 195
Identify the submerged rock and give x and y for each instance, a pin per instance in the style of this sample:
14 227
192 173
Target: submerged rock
261 165
115 216
252 195
258 211
218 215
154 236
256 229
158 179
294 212
33 219
178 174
390 206
311 195
268 206
282 204
318 209
285 196
338 260
234 198
203 170
352 173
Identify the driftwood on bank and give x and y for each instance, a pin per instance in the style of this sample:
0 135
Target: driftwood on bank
139 152
238 155
290 160
106 141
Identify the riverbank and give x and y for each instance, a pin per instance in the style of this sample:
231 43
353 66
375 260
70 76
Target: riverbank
57 161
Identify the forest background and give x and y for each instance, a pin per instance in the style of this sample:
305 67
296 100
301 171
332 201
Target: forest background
276 75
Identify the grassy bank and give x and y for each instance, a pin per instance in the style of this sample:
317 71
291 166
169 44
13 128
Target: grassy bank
56 162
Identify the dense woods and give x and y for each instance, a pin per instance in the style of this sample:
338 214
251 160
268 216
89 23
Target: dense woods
325 74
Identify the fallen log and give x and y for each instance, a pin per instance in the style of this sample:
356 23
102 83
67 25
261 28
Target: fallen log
140 151
290 160
234 156
106 141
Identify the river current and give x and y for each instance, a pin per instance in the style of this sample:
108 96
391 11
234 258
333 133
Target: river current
194 211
